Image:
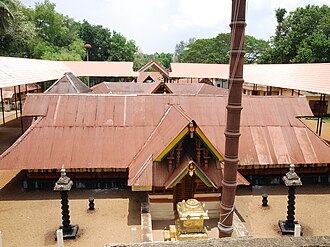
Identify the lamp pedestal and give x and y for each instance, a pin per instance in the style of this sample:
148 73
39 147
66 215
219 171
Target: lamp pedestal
63 185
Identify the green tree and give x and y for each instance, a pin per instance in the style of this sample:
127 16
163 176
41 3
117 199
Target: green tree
216 50
19 35
121 49
57 36
301 37
6 15
98 37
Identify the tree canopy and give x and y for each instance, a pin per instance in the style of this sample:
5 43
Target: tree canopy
216 50
301 37
43 33
6 15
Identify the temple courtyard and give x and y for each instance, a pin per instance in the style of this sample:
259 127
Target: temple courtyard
30 218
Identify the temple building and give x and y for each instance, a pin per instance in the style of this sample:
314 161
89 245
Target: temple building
169 145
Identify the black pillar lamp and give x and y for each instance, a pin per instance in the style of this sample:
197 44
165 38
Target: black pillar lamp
291 180
63 185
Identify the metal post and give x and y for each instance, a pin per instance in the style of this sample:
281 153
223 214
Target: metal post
3 109
15 101
322 114
234 107
20 107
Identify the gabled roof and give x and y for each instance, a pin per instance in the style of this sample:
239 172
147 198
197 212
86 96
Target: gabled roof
143 76
156 66
164 136
183 170
68 83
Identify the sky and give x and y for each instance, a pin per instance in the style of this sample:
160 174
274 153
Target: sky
158 25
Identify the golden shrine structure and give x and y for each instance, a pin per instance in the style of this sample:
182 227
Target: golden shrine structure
190 222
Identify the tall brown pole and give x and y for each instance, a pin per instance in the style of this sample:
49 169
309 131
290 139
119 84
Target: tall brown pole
234 107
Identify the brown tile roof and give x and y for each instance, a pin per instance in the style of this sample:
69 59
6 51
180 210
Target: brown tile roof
68 83
102 131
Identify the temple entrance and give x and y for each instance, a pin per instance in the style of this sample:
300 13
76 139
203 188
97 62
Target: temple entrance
184 190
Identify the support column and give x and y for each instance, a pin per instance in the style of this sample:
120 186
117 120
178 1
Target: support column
3 108
20 107
234 107
15 101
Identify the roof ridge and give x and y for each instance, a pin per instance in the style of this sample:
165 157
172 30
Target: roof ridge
142 169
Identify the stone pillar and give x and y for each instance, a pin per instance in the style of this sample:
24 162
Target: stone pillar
63 185
291 180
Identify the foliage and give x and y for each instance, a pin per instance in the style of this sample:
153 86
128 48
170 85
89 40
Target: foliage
44 33
57 37
98 37
121 49
18 36
179 48
164 59
301 37
216 50
6 15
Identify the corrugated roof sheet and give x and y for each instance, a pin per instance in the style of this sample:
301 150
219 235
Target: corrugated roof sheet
19 71
148 88
68 83
312 77
120 88
102 131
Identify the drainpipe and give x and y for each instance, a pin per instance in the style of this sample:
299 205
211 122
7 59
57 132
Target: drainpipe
234 107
